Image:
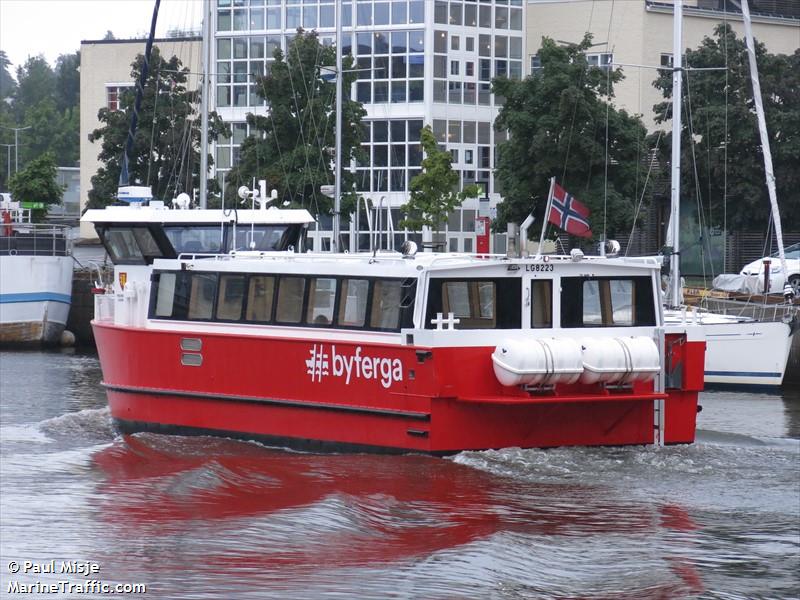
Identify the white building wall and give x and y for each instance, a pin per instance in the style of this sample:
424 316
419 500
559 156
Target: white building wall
106 63
638 33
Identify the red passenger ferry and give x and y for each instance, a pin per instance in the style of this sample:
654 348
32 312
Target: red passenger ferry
219 323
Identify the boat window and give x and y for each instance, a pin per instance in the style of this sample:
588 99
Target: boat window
541 303
386 297
146 241
201 297
291 292
607 302
195 239
262 238
321 297
470 301
165 294
122 246
477 303
259 298
353 302
230 297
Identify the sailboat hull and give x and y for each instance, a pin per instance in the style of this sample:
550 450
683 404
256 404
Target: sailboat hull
740 352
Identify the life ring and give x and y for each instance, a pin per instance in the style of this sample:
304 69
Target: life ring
8 229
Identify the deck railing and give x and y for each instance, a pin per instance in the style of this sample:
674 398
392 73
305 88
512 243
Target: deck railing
35 239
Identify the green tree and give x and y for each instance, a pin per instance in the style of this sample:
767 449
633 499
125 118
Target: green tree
434 192
7 84
68 82
35 82
719 117
37 182
166 148
557 120
293 147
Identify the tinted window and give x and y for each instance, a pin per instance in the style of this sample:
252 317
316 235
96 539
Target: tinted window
260 293
165 294
201 295
541 303
230 297
195 239
353 302
291 292
478 303
607 302
122 246
386 298
321 298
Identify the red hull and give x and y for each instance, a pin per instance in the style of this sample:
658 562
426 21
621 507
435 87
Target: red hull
349 395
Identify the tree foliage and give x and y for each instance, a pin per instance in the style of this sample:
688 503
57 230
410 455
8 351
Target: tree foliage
434 192
719 116
7 84
293 147
166 148
44 102
557 120
37 182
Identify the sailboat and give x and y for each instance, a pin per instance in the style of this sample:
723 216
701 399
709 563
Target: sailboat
739 350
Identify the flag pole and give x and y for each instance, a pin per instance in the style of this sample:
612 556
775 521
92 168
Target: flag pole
546 219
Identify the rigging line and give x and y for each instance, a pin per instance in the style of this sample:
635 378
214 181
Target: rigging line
302 140
652 154
275 134
725 152
698 196
308 174
605 182
153 123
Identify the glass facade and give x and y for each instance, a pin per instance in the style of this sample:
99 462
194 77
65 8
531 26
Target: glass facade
419 62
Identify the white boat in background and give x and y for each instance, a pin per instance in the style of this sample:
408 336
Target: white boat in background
739 350
35 278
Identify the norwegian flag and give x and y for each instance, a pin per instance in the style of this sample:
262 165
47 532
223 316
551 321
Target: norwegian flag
569 214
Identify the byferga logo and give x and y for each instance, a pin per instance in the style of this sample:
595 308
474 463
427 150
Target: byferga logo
323 363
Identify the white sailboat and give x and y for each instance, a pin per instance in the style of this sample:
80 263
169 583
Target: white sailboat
739 350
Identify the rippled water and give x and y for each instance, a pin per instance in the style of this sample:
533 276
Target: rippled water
212 518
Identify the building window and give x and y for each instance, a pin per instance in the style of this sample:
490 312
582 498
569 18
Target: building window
666 60
453 67
114 95
601 60
536 64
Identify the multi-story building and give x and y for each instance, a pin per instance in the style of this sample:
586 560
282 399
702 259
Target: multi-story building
420 62
638 34
105 72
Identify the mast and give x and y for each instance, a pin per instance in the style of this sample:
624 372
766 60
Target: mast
204 78
762 131
124 174
337 191
677 80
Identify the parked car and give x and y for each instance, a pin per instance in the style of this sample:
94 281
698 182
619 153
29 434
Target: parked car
777 278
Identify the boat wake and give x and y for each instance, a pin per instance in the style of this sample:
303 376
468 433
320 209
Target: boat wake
90 425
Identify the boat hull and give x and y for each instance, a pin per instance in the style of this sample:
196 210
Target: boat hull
35 298
305 394
747 353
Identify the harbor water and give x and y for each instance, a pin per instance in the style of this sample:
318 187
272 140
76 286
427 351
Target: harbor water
213 518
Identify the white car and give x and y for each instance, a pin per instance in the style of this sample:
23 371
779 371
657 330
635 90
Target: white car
776 276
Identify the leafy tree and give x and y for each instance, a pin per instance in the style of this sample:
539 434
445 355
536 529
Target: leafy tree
293 148
434 192
166 148
7 84
36 81
719 116
557 120
37 183
68 82
109 35
50 131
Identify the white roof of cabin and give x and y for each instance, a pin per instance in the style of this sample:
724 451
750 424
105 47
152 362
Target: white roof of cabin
148 214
